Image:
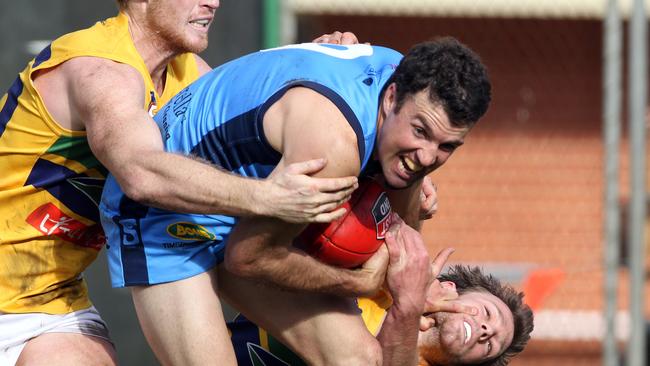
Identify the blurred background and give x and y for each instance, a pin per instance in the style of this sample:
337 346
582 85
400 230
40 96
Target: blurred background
524 197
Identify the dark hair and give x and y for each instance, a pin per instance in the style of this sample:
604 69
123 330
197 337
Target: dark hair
452 72
468 279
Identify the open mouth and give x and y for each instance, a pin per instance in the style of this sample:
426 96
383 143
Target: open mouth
468 332
201 23
409 166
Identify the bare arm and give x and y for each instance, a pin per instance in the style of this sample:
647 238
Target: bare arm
408 277
302 124
107 98
411 281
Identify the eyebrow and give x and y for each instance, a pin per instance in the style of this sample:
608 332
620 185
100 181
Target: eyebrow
427 125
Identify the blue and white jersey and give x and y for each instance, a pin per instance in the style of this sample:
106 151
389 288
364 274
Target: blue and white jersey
219 118
226 107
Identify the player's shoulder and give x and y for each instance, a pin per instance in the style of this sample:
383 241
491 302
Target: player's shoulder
316 111
98 70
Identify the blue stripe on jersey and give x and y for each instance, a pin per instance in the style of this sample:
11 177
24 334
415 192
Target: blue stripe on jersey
237 143
240 142
43 56
134 260
63 184
10 104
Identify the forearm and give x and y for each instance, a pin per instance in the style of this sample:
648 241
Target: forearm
179 183
398 337
256 251
295 270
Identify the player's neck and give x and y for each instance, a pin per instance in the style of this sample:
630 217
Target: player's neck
154 51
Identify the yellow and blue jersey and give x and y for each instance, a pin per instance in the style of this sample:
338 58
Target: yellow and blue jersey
255 347
51 182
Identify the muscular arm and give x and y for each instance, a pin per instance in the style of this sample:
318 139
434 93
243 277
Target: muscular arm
106 99
302 124
408 277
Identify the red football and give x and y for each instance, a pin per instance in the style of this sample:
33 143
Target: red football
349 241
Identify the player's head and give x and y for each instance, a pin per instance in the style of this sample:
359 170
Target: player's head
499 331
437 93
177 25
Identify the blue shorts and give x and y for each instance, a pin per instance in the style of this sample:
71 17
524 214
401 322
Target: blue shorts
147 246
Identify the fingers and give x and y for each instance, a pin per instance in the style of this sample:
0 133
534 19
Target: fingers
427 186
440 260
327 216
332 38
306 167
426 323
396 220
344 184
393 245
325 202
451 306
310 167
349 38
345 38
428 199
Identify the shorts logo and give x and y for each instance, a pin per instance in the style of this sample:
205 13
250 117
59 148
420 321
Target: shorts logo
51 221
189 231
129 231
381 212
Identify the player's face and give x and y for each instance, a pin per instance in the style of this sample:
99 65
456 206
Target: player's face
182 24
469 339
416 140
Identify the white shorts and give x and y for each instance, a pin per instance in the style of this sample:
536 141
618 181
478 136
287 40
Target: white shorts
17 329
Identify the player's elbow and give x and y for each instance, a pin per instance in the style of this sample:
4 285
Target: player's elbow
240 263
135 185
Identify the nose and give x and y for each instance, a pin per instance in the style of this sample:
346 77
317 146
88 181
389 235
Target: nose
485 331
212 4
427 156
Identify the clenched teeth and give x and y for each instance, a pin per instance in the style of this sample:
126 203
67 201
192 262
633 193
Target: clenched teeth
468 331
411 165
201 22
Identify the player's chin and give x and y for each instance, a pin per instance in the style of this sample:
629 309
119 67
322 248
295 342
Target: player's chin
196 43
395 181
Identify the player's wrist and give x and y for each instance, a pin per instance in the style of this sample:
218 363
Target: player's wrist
257 197
406 309
367 283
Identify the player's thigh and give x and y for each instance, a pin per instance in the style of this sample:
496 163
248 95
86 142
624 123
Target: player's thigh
321 329
67 349
183 321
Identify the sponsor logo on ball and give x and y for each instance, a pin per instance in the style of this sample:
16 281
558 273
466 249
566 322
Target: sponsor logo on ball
189 231
381 213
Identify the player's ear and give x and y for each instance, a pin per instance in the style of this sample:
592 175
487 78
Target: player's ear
390 98
449 287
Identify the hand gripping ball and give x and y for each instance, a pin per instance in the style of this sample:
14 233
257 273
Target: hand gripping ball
349 241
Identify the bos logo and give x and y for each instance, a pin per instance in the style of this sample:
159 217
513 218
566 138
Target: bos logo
381 212
189 231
